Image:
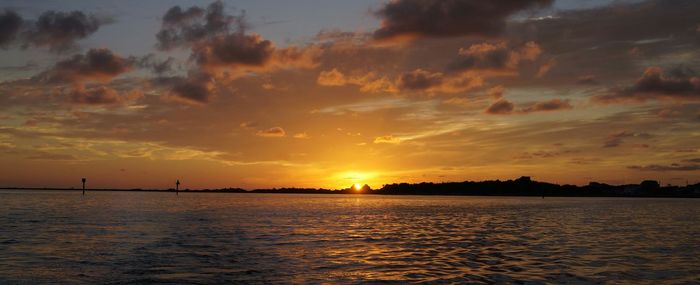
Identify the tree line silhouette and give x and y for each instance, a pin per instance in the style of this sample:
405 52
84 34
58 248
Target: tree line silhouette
523 186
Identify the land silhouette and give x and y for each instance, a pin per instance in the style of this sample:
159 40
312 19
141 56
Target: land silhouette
523 186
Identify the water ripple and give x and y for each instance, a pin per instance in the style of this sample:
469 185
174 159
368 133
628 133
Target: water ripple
136 238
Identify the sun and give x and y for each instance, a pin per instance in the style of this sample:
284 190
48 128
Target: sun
357 187
356 179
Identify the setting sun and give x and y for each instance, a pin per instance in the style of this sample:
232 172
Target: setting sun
345 142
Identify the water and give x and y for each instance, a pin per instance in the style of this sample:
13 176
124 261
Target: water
126 237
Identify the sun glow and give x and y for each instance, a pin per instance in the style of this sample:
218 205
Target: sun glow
355 178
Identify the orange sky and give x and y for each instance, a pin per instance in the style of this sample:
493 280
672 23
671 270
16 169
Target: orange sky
408 93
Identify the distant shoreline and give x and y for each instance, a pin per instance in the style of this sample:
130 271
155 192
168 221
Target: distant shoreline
335 192
522 186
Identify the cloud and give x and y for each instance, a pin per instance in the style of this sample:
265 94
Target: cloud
217 40
233 50
10 24
301 136
158 67
684 165
599 40
368 82
611 40
274 132
459 101
587 80
546 67
29 65
500 107
41 155
496 92
220 44
196 88
494 58
437 82
305 57
448 18
96 64
101 95
654 85
60 30
389 139
331 78
176 16
55 30
634 22
248 125
420 79
551 105
616 139
505 107
182 28
241 53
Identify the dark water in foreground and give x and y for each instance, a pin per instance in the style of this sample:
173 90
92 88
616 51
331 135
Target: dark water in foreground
122 237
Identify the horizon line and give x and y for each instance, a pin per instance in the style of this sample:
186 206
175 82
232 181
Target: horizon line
331 189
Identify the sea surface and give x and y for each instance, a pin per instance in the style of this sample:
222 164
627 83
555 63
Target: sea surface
61 237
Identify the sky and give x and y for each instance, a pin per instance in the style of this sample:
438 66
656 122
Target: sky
310 93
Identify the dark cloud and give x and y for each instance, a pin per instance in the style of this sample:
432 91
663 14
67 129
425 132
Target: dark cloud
177 16
505 107
10 25
158 67
684 165
437 82
219 41
100 95
196 88
419 80
448 18
30 65
500 107
551 105
60 30
616 139
611 40
635 22
55 30
682 71
494 57
233 49
654 85
182 28
95 96
481 56
96 64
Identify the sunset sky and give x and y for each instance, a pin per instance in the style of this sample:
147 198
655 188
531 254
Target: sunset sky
328 93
